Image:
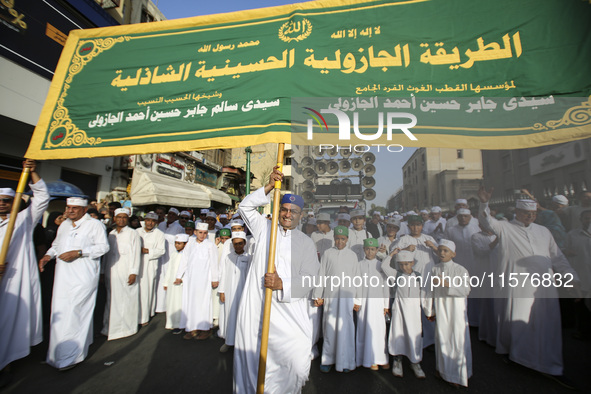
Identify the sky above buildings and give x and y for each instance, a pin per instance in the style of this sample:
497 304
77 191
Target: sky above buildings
388 164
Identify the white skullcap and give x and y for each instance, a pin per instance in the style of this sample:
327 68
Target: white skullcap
119 211
461 201
186 213
181 238
395 213
410 213
202 226
398 217
424 211
204 211
393 222
211 215
449 244
381 217
236 215
151 215
344 216
223 216
405 255
237 222
527 205
77 202
6 191
357 213
323 217
435 209
559 199
311 214
376 213
239 234
312 221
173 210
464 211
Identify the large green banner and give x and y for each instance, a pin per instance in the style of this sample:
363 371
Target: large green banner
228 80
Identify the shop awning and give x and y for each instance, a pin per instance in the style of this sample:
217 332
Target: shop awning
217 195
149 188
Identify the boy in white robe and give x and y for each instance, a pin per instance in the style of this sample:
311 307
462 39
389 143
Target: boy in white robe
174 293
198 270
406 327
371 321
232 278
448 290
340 300
122 265
358 233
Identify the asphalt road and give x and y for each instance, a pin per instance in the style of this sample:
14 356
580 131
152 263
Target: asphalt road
154 360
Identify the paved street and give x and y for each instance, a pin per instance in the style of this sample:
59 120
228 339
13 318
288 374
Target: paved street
154 360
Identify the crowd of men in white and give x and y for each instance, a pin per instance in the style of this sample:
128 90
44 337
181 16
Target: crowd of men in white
208 274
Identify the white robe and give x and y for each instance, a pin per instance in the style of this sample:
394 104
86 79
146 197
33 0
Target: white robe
198 269
338 325
430 226
290 328
462 237
424 261
174 293
232 279
156 244
20 293
74 290
385 240
371 321
122 307
169 234
355 242
529 328
453 353
487 259
323 241
405 337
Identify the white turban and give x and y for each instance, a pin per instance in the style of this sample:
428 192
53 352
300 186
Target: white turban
6 191
559 199
526 205
239 234
344 216
181 238
119 211
151 215
449 244
202 226
236 222
76 202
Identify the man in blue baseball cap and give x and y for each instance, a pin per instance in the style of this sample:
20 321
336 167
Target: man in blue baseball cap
290 326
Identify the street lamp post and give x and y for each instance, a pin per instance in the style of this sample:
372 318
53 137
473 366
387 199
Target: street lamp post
248 151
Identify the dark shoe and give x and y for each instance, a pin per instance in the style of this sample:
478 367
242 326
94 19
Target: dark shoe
177 331
203 335
67 368
325 368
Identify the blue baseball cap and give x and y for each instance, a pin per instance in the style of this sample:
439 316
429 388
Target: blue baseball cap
293 199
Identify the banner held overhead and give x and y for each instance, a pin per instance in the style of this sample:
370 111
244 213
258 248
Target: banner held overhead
227 80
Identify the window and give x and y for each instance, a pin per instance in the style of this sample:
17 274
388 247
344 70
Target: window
146 16
460 153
